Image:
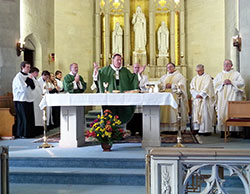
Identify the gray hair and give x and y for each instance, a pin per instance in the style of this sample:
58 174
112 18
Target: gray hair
200 66
72 65
228 61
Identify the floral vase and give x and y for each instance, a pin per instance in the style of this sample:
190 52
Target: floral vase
106 147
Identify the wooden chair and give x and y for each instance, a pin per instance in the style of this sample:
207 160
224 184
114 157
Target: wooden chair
238 115
7 119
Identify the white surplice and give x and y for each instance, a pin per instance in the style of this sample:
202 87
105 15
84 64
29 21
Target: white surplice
225 93
203 109
169 115
37 93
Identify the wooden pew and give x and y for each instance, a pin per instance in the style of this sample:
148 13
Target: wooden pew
238 115
7 116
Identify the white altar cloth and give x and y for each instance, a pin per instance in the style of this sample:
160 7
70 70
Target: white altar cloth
99 99
72 113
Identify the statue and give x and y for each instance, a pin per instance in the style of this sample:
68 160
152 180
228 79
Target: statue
139 22
117 39
163 39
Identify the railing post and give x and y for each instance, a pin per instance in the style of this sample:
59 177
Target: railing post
4 175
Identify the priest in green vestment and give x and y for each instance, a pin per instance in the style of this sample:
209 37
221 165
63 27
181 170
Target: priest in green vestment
113 78
73 82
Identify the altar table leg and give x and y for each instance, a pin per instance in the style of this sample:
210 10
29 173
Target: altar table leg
151 126
72 127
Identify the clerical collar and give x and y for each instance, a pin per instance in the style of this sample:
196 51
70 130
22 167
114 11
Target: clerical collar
24 73
172 72
72 74
116 71
58 79
227 71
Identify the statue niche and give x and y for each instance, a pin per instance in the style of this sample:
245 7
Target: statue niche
163 39
117 43
139 22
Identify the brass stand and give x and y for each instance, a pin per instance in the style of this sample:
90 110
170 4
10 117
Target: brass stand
45 143
179 139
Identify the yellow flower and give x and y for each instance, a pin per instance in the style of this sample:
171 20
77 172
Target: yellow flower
101 121
102 117
98 128
110 116
98 116
97 135
103 135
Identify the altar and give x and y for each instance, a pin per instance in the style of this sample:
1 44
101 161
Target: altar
72 113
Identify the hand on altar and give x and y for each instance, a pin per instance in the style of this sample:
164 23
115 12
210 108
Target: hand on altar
77 78
168 85
199 96
227 82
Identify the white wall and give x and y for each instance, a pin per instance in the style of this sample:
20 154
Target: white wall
245 34
9 35
37 24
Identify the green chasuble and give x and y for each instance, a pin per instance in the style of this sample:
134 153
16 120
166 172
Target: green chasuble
127 81
68 85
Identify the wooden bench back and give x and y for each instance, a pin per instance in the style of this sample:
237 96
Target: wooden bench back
239 109
7 102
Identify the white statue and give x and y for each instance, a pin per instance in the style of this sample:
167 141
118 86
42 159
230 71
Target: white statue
163 39
139 22
117 39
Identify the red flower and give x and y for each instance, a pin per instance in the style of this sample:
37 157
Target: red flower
107 111
108 122
116 117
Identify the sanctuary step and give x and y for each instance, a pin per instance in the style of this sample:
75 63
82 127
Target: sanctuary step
86 171
90 117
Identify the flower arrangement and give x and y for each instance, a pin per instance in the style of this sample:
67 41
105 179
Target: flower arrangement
106 128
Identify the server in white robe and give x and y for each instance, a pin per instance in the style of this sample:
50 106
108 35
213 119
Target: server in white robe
203 101
23 98
135 124
229 86
58 78
42 80
172 82
143 79
37 92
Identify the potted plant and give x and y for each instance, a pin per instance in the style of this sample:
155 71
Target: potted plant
106 129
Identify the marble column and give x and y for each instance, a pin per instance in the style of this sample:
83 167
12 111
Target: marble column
97 32
152 48
182 39
127 32
107 34
182 33
172 36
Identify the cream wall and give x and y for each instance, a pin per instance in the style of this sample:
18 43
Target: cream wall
231 29
37 25
9 35
245 34
205 35
74 34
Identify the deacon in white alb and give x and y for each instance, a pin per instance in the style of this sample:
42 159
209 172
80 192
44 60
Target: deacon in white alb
203 101
229 86
171 82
